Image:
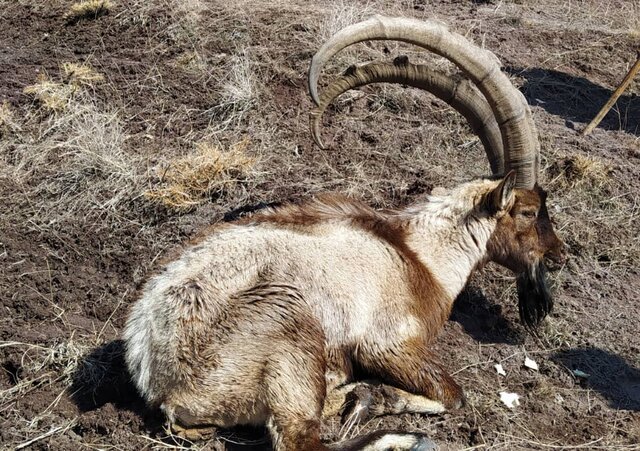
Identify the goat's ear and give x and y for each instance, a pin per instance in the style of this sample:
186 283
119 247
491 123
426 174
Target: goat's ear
502 195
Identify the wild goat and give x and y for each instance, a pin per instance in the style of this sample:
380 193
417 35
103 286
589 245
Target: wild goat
261 319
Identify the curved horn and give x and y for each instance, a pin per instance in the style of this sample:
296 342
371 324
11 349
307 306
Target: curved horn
462 95
511 111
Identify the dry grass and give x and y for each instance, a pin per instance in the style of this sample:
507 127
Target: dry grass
192 61
583 171
6 114
186 26
38 366
597 200
81 74
8 120
71 158
42 365
240 88
238 94
53 96
610 17
189 181
340 14
89 9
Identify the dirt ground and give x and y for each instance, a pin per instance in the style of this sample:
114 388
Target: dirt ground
180 114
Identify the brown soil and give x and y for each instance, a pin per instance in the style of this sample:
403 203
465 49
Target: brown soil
179 73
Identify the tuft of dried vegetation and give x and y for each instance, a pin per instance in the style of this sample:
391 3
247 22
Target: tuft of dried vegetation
87 10
55 96
78 74
582 171
189 181
341 14
43 365
75 163
191 61
238 93
51 95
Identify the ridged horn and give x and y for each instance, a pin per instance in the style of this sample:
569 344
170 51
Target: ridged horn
460 94
519 138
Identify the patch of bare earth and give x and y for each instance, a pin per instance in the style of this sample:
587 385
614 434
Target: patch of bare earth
112 113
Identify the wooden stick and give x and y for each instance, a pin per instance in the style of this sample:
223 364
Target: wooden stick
614 97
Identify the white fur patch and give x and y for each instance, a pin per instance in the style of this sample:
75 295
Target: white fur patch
419 404
448 238
393 441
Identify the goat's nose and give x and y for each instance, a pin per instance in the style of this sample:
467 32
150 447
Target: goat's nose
556 258
564 253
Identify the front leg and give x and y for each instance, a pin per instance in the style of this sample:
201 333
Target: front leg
359 401
412 367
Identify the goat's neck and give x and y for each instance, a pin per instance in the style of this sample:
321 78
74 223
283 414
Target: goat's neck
450 244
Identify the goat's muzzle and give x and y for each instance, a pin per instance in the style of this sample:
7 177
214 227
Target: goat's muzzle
556 259
534 296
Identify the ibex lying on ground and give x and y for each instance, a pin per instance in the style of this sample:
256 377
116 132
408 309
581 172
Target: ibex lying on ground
260 318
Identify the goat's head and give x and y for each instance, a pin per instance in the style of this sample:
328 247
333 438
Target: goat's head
525 242
497 112
524 236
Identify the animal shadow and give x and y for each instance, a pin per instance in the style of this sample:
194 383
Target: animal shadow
102 377
609 374
483 319
577 99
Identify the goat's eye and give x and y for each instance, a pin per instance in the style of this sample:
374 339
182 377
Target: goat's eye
529 214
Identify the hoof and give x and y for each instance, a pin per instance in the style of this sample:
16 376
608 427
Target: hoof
455 398
456 403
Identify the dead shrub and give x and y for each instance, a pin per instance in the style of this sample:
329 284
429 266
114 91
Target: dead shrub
582 170
87 10
188 181
52 96
79 74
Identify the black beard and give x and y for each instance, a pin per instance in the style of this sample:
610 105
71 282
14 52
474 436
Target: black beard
534 297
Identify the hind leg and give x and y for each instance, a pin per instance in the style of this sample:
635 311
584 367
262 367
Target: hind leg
294 383
193 433
295 394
